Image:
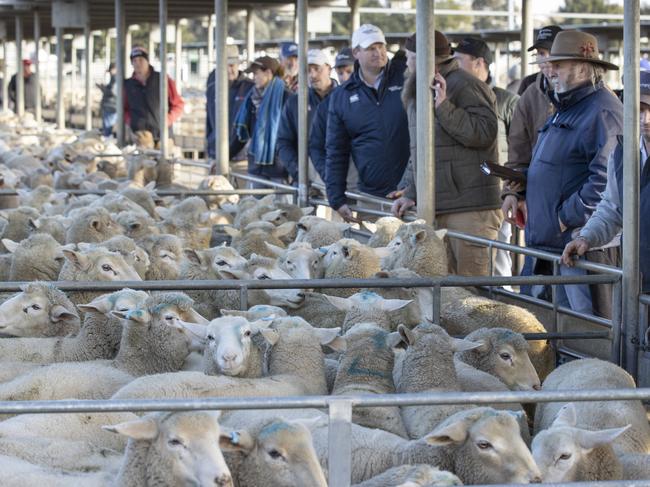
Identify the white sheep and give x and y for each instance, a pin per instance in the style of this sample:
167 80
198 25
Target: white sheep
319 311
253 238
319 232
166 256
300 260
37 258
367 306
92 225
412 476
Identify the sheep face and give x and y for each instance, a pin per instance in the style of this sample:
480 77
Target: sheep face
300 260
488 447
122 300
100 265
419 248
291 298
183 448
281 455
226 258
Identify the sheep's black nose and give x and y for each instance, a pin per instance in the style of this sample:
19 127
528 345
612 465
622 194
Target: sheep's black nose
536 480
301 295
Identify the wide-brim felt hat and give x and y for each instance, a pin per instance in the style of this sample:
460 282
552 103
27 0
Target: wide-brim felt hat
573 45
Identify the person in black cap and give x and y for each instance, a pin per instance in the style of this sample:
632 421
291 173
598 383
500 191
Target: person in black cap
108 105
142 97
344 64
542 48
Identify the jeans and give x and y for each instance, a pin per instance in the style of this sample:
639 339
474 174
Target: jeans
108 120
575 296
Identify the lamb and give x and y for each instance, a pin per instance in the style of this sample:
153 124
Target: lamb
144 197
319 232
114 203
38 196
165 256
37 258
39 310
385 231
412 476
143 170
217 183
134 256
319 311
92 225
137 225
256 312
366 367
420 248
598 374
18 225
367 306
347 258
254 237
55 225
251 210
299 260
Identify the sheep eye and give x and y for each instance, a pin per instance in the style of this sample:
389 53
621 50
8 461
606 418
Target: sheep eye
210 337
106 268
175 442
565 456
247 333
170 317
221 262
275 454
505 356
484 445
35 307
123 310
263 276
289 262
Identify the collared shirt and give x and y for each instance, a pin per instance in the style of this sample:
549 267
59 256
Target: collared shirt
377 82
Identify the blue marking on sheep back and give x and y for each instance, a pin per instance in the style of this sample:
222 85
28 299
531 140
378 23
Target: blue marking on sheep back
354 369
273 428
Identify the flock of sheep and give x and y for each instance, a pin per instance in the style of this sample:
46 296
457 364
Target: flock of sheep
132 344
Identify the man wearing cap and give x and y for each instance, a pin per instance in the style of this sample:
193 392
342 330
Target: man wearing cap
108 105
238 87
30 88
607 221
466 135
344 64
320 86
142 97
568 171
289 62
366 120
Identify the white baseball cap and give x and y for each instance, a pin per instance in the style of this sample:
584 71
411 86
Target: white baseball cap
367 35
318 57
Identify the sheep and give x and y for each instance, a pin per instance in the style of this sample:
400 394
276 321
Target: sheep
366 367
38 196
253 239
142 170
299 260
319 232
598 374
92 225
18 225
137 225
367 306
134 256
319 311
420 248
39 310
217 183
385 229
165 256
114 203
348 258
251 210
54 225
37 258
565 453
296 367
144 197
412 476
195 235
256 312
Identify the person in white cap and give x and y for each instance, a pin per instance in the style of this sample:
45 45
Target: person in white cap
320 86
366 120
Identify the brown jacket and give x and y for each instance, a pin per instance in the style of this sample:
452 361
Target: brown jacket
466 134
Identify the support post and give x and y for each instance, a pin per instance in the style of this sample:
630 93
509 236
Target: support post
210 41
339 443
5 76
526 35
250 35
221 88
631 178
151 45
426 173
73 73
107 49
88 59
120 64
60 53
164 134
178 54
303 161
355 15
128 41
20 80
38 109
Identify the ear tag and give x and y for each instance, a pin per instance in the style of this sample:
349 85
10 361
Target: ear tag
234 438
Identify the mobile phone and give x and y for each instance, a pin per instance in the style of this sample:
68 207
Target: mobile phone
519 219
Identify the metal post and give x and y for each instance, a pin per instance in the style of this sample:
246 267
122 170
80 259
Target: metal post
616 323
631 154
164 134
178 54
60 109
120 64
355 15
129 41
73 74
295 22
38 109
426 173
303 176
210 41
497 64
221 88
526 35
339 444
5 76
20 80
46 74
151 45
250 35
107 49
89 59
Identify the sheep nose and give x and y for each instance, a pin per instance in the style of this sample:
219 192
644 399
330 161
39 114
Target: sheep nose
536 480
223 481
537 387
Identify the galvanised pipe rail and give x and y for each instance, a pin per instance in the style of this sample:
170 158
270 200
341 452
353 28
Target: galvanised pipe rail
271 184
168 192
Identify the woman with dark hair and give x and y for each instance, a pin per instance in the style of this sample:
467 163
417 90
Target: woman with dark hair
258 120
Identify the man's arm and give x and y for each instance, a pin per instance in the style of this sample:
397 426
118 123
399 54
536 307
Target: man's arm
209 114
287 142
127 113
337 159
317 136
175 102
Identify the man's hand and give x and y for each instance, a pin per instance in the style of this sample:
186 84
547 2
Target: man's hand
393 195
440 88
346 214
563 227
400 206
515 186
577 246
510 207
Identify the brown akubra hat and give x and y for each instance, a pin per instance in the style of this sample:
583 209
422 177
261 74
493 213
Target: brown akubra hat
573 45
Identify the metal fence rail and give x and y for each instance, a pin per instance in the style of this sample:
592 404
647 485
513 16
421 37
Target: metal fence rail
169 192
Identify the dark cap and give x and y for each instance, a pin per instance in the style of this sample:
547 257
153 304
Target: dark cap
475 47
545 37
139 51
288 49
344 58
644 87
410 43
265 62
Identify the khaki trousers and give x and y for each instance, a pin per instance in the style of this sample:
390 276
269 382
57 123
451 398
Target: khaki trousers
466 258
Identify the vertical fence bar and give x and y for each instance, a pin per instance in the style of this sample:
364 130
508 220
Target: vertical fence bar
303 176
339 444
631 280
210 41
164 134
88 58
425 177
526 35
355 15
73 76
221 89
60 53
250 35
178 54
20 79
437 290
120 64
5 76
107 48
554 293
38 109
616 322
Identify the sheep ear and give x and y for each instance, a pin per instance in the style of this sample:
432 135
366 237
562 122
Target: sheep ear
382 252
150 186
394 304
382 275
235 274
395 340
59 313
441 233
307 211
463 345
343 304
267 200
448 434
193 256
10 245
77 259
197 330
331 338
232 231
100 305
284 229
591 439
566 416
407 335
419 236
236 441
270 336
140 429
96 223
162 212
274 249
33 224
194 316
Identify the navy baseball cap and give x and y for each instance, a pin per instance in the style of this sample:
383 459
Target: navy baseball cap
288 49
475 47
139 51
344 58
545 37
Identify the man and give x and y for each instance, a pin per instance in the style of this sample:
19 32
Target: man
320 86
30 88
344 64
542 46
567 173
108 104
289 62
238 87
607 220
466 134
366 120
142 97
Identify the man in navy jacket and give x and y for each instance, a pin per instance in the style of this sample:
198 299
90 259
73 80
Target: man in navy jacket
367 120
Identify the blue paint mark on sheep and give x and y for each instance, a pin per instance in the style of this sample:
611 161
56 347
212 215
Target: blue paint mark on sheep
273 428
354 369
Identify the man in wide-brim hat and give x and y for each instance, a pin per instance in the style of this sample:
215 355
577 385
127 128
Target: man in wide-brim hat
568 170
